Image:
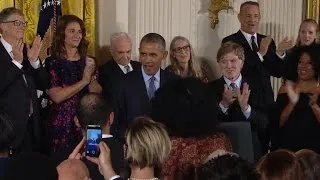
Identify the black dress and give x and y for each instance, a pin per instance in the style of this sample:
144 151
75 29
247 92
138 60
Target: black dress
302 129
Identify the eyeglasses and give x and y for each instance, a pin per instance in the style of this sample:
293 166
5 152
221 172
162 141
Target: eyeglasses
17 23
181 49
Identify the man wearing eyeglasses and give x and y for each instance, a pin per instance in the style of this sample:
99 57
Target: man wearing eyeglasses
20 73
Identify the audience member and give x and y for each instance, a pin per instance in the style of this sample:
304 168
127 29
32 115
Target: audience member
227 167
112 73
148 145
93 109
280 164
183 60
238 98
21 73
310 162
72 73
73 169
184 106
298 113
139 86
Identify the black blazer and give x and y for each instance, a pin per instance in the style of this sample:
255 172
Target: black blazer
134 100
256 71
258 117
15 96
111 76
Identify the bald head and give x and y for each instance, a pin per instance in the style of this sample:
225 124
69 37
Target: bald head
73 169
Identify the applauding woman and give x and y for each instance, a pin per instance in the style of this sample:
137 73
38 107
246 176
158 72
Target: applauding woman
298 109
72 73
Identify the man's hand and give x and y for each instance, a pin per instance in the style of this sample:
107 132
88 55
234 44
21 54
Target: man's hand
284 45
34 50
313 100
17 50
227 97
264 45
244 96
76 152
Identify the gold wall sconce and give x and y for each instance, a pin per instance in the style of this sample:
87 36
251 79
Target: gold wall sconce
215 7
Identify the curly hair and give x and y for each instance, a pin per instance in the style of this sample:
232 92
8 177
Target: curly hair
58 46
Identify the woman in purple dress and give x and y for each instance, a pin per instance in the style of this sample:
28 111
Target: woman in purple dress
72 73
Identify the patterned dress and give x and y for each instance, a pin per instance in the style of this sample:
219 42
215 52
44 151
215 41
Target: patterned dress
64 133
189 153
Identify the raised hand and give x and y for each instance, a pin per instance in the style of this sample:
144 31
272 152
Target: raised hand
227 97
34 50
89 70
293 93
264 45
17 50
313 100
284 45
243 96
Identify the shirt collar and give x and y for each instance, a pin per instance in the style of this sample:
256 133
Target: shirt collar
6 45
146 77
122 67
237 81
104 136
248 36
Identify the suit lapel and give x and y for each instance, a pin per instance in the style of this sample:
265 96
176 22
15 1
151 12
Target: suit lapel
4 52
116 68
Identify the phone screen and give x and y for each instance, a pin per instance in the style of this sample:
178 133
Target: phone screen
93 140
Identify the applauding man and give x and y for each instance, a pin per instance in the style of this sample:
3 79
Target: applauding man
20 74
237 100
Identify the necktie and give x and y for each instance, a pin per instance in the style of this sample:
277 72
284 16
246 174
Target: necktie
233 87
127 68
253 44
152 87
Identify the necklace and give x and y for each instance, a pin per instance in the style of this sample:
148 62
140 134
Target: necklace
143 179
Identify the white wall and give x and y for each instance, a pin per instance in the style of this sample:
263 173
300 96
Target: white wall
190 18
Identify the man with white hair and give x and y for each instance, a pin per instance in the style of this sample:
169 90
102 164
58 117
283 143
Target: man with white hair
113 71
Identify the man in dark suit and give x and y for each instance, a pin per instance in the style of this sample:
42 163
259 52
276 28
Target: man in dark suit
112 73
260 50
139 86
20 73
93 109
236 101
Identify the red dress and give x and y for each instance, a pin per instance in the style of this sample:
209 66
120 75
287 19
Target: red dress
190 152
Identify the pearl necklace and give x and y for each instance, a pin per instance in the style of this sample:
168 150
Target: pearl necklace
143 179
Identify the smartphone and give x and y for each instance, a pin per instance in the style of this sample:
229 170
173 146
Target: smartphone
93 139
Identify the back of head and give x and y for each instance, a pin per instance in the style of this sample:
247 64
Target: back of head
281 164
154 38
7 132
186 107
73 169
30 166
148 143
310 162
227 167
93 109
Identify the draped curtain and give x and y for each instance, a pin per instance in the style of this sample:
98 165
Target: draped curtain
84 9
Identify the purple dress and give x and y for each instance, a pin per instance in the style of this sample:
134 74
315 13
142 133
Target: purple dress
64 133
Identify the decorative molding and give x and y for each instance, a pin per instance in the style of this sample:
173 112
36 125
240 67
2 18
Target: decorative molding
312 10
215 7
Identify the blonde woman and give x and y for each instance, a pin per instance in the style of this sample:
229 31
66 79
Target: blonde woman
183 61
148 146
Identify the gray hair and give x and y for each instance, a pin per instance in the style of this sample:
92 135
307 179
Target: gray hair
118 35
6 12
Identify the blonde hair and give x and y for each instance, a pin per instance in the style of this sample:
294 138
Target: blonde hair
194 68
313 22
148 143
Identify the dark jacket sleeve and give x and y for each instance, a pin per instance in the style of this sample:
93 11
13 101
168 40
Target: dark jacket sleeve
272 62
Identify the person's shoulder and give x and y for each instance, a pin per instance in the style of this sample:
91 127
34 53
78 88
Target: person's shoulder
231 37
169 75
135 64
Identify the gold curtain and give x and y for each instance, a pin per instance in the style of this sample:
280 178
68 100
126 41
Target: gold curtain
84 9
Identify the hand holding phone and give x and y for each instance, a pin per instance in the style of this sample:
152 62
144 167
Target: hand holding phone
93 140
